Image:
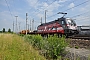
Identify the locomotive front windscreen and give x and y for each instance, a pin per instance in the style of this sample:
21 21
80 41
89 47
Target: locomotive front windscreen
71 22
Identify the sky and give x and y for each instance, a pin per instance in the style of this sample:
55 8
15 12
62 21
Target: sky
78 10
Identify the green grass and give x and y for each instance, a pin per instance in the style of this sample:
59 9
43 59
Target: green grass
13 47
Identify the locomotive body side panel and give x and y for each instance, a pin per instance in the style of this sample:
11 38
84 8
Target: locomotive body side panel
52 27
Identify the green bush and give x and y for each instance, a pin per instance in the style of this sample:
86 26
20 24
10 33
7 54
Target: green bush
29 38
51 47
56 46
37 41
19 34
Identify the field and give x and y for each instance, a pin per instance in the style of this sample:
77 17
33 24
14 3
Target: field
13 47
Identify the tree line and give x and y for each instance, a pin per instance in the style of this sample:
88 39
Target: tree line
4 31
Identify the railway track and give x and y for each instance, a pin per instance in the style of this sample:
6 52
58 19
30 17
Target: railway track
82 41
82 37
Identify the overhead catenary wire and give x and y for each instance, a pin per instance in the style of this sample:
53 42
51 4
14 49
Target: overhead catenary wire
9 9
10 13
77 5
46 0
85 17
69 3
14 4
46 6
35 4
71 7
51 3
79 14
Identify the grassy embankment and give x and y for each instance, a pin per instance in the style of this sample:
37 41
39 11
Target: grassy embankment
13 47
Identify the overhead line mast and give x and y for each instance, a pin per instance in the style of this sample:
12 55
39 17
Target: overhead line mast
30 25
26 23
13 26
33 25
16 24
45 15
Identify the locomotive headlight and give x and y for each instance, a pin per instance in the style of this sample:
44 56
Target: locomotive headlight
67 25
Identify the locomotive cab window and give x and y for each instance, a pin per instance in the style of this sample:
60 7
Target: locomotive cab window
71 22
62 22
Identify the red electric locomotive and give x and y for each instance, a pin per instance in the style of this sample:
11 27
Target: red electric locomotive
62 25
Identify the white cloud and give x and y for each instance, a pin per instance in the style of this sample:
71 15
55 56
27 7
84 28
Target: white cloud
85 8
50 8
40 15
62 1
54 6
33 3
71 5
45 4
